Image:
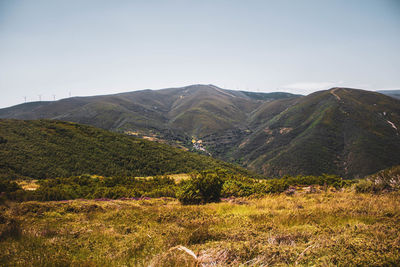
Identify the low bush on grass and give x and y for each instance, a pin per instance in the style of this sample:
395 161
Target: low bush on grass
387 180
367 186
204 187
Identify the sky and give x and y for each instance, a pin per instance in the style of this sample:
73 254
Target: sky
51 49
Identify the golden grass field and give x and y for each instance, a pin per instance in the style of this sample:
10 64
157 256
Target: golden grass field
322 229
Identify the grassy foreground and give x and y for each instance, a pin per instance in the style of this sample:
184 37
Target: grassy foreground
326 229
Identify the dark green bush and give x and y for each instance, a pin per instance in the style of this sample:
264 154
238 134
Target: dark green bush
236 188
277 186
201 188
89 187
7 186
368 186
207 186
189 193
241 188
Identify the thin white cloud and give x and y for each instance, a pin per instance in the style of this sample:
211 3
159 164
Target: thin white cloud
309 87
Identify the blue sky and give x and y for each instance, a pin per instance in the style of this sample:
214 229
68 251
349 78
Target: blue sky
100 47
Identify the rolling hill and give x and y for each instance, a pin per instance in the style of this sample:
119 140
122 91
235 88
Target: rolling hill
341 131
49 148
193 110
174 115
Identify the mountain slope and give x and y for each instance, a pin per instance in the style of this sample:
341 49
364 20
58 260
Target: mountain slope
392 93
343 131
48 149
175 113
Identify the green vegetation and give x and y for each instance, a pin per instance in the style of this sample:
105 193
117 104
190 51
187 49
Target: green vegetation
342 131
201 187
48 149
74 195
204 187
348 132
322 229
173 114
89 187
383 181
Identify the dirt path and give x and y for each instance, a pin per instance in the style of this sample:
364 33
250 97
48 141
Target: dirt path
392 124
333 92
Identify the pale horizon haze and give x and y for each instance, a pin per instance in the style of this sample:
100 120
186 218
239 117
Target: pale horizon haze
52 48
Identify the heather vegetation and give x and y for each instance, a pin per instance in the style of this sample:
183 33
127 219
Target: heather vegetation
322 229
151 221
201 187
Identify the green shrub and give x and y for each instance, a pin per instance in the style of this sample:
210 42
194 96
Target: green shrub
386 180
7 186
277 185
236 188
368 186
202 188
189 193
167 191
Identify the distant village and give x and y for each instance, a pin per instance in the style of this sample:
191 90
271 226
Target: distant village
198 145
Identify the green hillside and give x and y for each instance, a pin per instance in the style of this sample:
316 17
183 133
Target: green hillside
47 149
160 111
173 114
342 131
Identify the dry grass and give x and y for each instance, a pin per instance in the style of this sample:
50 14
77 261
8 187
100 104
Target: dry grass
176 177
323 229
179 177
29 185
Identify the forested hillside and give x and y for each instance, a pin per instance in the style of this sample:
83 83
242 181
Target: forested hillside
48 149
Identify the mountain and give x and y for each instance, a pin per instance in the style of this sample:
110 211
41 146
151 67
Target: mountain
392 93
175 115
49 149
343 131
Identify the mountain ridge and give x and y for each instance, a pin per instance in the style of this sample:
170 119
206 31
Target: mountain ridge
344 131
317 124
